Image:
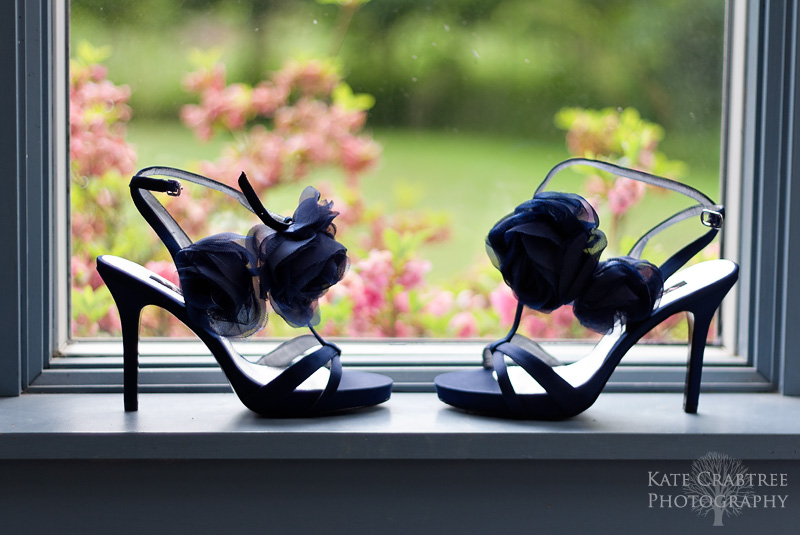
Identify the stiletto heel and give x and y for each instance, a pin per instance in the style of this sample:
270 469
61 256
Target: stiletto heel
698 331
548 251
699 321
129 319
130 311
225 282
130 301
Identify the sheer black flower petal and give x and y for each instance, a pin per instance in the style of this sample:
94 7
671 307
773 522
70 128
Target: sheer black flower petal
217 276
548 249
623 289
298 265
226 279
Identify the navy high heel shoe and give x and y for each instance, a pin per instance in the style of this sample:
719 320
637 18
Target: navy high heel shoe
548 251
225 282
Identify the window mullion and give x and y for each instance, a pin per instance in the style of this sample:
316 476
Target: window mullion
790 374
769 232
11 106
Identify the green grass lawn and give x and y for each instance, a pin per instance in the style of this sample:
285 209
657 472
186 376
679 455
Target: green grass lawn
475 179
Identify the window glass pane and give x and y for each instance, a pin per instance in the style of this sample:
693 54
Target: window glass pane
425 123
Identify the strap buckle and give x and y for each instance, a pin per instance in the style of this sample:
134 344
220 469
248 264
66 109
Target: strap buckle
712 218
174 188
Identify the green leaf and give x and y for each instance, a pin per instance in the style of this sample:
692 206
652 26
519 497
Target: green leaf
205 59
90 55
343 97
391 238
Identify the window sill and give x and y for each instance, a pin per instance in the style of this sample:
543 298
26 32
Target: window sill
411 426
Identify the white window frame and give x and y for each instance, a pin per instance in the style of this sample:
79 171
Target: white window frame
759 128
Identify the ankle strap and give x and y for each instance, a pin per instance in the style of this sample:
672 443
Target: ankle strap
711 214
165 226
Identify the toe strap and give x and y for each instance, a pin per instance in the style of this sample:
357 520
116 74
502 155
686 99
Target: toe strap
295 374
559 390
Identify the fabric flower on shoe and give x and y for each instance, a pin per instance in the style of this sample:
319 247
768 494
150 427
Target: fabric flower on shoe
296 266
547 249
219 286
623 289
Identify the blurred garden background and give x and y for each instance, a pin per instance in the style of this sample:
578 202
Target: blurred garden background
424 121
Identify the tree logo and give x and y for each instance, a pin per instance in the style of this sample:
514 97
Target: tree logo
718 483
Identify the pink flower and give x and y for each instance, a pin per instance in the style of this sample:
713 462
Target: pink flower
352 286
563 316
504 302
85 227
110 323
98 112
464 325
306 114
402 303
97 72
624 194
196 119
307 130
359 153
348 121
309 147
84 273
469 300
536 327
413 274
440 304
376 272
312 78
479 301
228 107
260 156
402 330
377 268
205 79
647 157
374 299
267 98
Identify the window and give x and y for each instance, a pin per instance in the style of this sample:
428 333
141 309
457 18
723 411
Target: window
770 237
469 105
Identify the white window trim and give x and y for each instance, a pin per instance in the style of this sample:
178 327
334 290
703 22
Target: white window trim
61 170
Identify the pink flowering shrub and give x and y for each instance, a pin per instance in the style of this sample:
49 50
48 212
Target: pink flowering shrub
624 138
97 116
99 156
299 118
101 163
381 295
